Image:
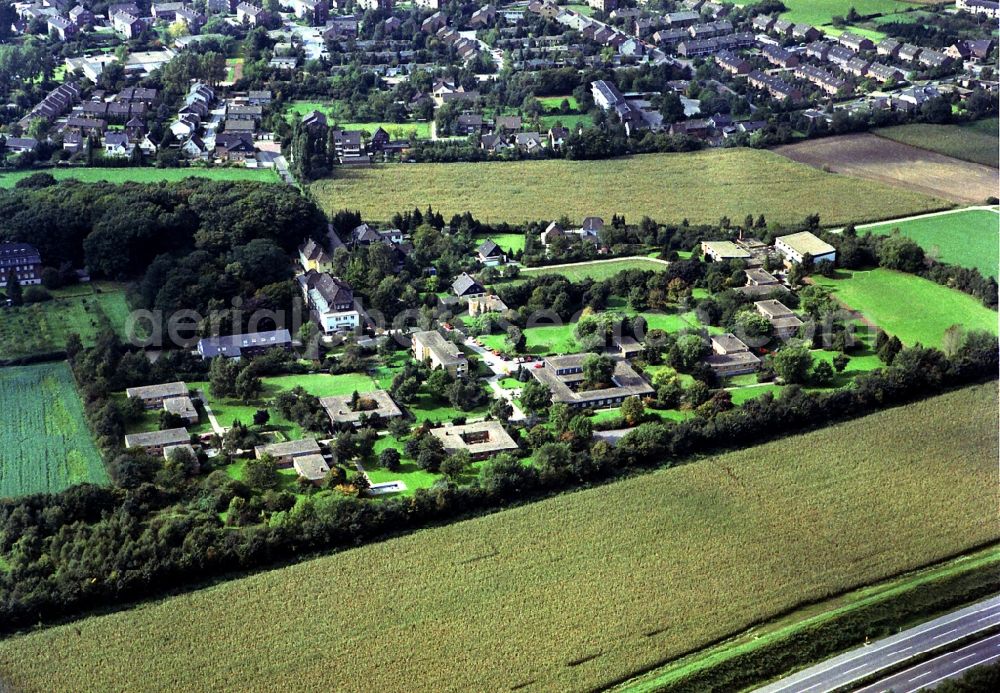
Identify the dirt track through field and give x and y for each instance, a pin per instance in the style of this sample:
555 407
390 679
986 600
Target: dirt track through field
894 163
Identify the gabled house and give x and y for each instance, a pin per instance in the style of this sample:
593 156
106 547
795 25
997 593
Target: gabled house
466 287
490 254
313 256
331 301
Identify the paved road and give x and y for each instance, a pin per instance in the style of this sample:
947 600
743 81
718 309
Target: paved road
934 671
875 657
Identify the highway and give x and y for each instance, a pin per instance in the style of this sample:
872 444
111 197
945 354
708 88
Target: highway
897 649
945 666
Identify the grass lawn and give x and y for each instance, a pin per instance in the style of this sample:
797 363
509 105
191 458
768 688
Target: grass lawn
700 186
319 384
596 270
547 592
409 473
43 327
570 122
585 10
337 113
45 444
909 307
511 242
976 142
541 340
144 174
966 238
555 102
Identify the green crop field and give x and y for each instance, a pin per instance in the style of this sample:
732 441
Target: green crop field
968 238
144 175
596 270
43 327
700 186
563 594
976 142
910 307
45 445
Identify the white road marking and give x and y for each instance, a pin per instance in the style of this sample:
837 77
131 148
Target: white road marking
920 676
974 654
947 632
955 673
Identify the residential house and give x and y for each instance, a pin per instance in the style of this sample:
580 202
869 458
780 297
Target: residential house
331 301
313 256
128 25
469 124
116 145
250 15
490 303
806 32
183 408
775 86
909 53
62 27
19 145
375 405
490 254
933 59
234 146
313 468
732 63
889 47
885 73
528 142
563 375
776 55
855 42
763 23
557 137
465 287
986 8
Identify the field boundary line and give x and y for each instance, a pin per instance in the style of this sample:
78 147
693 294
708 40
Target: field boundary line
928 215
588 263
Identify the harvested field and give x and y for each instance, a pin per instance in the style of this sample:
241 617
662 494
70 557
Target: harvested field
897 164
569 593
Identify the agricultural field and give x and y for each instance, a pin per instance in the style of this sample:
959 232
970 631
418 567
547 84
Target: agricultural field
46 445
731 182
597 269
966 238
909 307
43 327
908 168
144 174
976 142
562 594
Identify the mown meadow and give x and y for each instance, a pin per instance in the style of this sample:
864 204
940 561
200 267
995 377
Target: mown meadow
45 445
573 592
144 175
700 186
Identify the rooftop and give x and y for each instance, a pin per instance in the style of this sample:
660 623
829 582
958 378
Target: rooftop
171 436
338 408
163 390
485 437
311 467
291 448
806 242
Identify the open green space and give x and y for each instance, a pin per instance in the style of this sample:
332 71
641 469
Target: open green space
510 242
562 594
819 12
977 141
320 384
585 10
40 328
45 445
700 186
570 122
337 114
907 306
550 102
968 238
596 270
144 174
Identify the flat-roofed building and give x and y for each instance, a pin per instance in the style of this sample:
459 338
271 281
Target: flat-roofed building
285 453
377 404
182 407
154 395
168 450
154 442
797 245
723 250
783 321
311 467
431 346
563 375
250 344
481 440
730 356
761 283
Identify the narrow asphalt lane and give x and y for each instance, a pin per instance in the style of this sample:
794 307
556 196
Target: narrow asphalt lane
934 671
897 649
